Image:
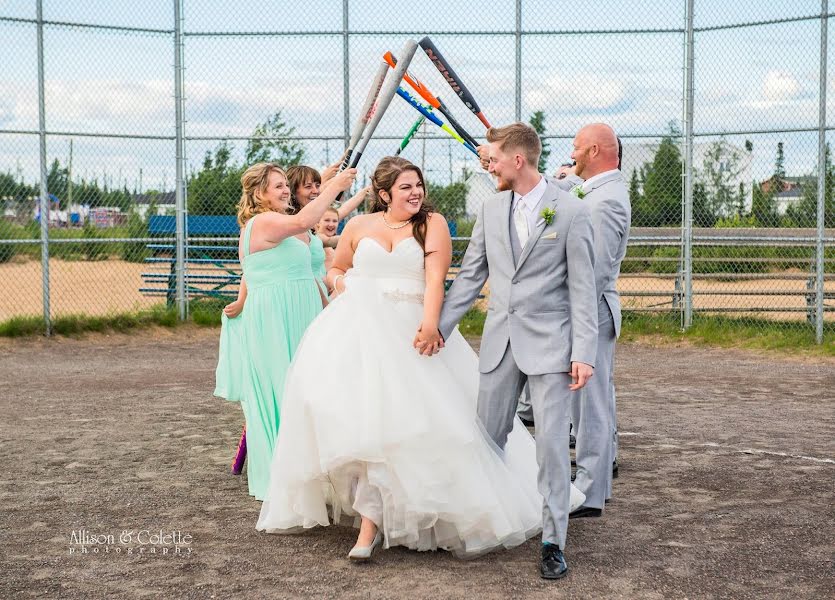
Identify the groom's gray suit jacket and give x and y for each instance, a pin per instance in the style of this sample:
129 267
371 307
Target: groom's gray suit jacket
544 304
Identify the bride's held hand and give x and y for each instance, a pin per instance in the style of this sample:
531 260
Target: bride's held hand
428 341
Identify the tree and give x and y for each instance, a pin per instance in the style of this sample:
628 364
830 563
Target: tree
636 199
537 121
216 189
278 148
764 207
720 169
805 212
663 185
450 200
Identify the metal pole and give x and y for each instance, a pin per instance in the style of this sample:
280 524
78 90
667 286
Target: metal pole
518 60
821 176
346 79
179 186
687 237
44 201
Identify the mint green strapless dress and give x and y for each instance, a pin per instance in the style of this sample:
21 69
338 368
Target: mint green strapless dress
282 300
317 261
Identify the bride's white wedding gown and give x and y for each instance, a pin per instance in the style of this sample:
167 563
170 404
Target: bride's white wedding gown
368 426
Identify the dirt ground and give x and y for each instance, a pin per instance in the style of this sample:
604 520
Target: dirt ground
726 488
103 287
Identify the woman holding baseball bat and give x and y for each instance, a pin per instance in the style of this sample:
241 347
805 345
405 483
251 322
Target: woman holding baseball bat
281 297
305 183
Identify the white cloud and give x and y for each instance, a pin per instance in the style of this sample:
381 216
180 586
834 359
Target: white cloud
779 85
581 92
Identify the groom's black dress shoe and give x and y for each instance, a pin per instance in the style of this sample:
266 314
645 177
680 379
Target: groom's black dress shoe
552 565
585 511
615 469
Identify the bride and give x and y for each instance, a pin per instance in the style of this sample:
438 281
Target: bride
377 435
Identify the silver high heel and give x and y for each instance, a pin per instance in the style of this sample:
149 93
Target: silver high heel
363 553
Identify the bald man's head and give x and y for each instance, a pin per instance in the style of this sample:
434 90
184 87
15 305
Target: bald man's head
595 150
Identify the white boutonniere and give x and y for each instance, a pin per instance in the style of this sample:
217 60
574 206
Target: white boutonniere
578 191
547 215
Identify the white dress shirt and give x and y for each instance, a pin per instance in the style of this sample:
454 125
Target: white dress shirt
530 203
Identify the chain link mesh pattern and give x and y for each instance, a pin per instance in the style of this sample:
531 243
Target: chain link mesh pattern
272 83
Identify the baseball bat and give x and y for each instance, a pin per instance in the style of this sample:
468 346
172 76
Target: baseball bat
410 135
452 79
434 101
388 91
427 112
366 112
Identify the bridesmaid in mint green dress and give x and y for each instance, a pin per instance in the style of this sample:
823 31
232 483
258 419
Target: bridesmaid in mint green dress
305 183
278 299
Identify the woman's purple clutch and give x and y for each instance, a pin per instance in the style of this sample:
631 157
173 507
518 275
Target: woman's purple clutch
240 455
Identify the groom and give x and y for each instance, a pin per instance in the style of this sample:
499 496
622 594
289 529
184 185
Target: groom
535 243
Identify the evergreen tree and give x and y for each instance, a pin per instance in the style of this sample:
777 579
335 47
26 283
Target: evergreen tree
281 150
663 185
537 121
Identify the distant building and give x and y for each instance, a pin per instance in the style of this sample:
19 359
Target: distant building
791 191
636 155
480 186
165 203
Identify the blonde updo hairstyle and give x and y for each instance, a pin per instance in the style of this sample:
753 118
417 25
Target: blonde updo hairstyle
254 183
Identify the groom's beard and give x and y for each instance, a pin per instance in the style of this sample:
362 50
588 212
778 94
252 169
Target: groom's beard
502 185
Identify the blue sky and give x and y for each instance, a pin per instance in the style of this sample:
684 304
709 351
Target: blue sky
98 81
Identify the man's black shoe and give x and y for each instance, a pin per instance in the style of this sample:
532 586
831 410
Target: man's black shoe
615 469
552 564
585 511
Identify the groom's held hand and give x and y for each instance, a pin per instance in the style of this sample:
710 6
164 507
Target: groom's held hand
580 375
428 344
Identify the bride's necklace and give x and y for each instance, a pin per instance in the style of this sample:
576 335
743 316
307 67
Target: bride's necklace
401 226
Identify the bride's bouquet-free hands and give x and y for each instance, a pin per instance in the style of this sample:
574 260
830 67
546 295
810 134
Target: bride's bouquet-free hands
428 340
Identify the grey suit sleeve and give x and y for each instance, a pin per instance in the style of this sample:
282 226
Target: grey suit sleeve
581 287
468 282
610 225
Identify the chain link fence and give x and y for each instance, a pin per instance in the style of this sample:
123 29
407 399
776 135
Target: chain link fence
149 118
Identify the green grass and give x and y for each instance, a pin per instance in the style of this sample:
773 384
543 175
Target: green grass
753 334
73 325
786 337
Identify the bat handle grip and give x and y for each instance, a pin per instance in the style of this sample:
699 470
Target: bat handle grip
346 160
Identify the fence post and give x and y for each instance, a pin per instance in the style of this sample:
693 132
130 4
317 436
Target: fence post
346 78
179 185
819 259
518 31
44 200
687 225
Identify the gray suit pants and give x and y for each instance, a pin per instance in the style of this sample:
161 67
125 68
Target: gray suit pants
499 391
592 412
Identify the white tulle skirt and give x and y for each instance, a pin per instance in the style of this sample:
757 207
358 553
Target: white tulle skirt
369 427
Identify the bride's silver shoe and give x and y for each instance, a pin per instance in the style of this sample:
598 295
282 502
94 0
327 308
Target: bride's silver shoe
363 553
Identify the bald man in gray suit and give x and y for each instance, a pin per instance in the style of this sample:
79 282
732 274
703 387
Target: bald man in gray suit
605 192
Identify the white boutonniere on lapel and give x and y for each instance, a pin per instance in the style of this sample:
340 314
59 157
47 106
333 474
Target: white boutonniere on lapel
547 215
578 191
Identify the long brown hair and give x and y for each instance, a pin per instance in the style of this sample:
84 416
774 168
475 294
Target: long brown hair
297 176
386 173
254 183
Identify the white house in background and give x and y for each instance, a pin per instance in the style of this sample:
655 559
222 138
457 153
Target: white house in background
635 155
165 202
480 186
